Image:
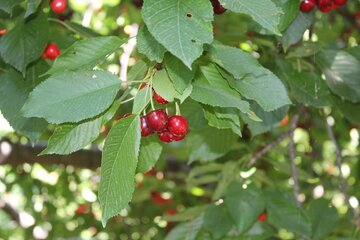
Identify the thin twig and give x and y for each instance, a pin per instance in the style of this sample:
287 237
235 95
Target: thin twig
295 175
339 160
7 208
267 148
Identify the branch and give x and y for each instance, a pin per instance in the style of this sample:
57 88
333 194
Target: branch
15 154
339 161
295 175
7 208
267 148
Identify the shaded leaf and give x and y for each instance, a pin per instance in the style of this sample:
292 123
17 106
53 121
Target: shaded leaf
150 151
148 45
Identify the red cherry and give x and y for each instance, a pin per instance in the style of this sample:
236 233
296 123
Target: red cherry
145 129
218 8
324 5
2 31
177 138
138 3
307 5
166 136
339 2
262 217
158 199
82 209
58 6
171 211
178 125
157 120
51 51
159 99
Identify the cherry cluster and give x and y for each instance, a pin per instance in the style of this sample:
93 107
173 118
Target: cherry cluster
168 129
323 5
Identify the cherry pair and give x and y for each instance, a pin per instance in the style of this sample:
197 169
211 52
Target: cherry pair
168 129
51 51
323 5
58 6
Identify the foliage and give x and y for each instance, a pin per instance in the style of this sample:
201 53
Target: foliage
234 77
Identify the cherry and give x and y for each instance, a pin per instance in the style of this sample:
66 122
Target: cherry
58 6
166 136
145 129
138 3
159 99
2 31
307 5
178 125
177 138
82 209
157 120
218 8
324 5
51 51
340 2
142 86
158 199
262 217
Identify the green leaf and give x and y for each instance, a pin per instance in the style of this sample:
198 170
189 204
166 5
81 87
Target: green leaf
342 73
142 99
85 54
209 143
118 166
194 114
233 60
244 205
150 151
308 88
186 231
84 32
148 45
72 96
181 26
264 12
14 91
8 5
269 119
223 118
25 43
295 31
217 220
138 71
210 84
263 87
69 138
290 8
348 109
323 218
179 74
165 88
32 7
186 215
284 213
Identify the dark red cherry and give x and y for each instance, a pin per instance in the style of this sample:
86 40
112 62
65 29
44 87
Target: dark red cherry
145 129
307 5
138 3
159 99
51 51
178 125
178 138
157 120
58 6
166 136
218 8
339 2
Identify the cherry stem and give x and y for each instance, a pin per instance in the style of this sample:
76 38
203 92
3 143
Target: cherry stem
177 109
127 100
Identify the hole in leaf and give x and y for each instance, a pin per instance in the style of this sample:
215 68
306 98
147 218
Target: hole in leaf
189 15
193 40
